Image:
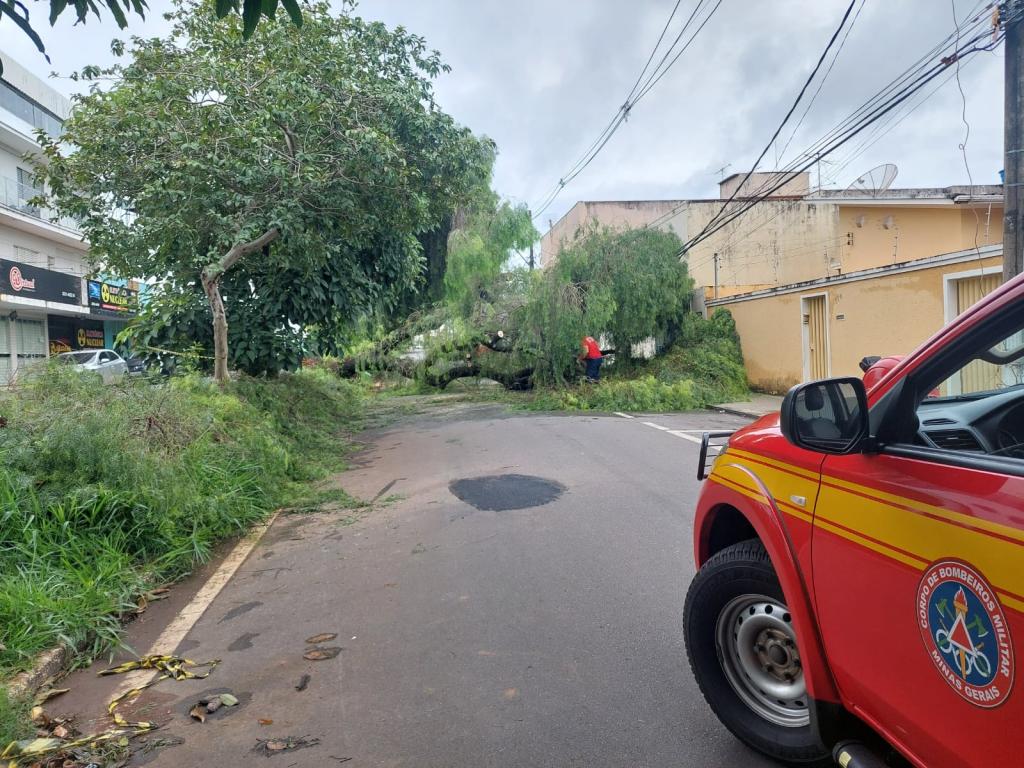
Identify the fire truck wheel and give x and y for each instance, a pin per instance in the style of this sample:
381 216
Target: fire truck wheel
743 651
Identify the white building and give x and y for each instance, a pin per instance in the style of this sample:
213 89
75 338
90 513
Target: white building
45 305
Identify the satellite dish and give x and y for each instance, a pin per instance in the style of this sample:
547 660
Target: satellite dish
875 181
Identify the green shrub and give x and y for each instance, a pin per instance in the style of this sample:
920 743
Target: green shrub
106 491
643 394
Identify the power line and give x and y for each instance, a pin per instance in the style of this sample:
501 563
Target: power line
654 50
821 83
900 82
878 111
778 130
653 81
640 89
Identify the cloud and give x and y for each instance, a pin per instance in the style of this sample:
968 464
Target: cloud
543 78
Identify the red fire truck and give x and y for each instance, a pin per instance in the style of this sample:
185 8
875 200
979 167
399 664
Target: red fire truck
861 560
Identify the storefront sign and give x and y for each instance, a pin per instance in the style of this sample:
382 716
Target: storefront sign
68 334
107 299
18 279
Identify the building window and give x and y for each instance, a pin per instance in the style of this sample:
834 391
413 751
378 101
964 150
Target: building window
27 190
29 110
29 256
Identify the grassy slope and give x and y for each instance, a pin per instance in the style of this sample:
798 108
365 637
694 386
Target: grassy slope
106 492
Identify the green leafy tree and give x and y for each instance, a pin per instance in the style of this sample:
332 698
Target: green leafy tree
479 250
291 172
627 286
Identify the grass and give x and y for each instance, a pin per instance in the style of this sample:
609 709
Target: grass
106 492
14 720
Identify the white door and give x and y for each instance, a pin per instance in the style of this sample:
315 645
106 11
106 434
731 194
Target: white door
30 341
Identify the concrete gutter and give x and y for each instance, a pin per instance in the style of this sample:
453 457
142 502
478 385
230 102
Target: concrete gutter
48 664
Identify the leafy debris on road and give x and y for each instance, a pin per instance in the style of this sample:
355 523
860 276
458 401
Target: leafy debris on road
271 747
322 652
174 667
303 682
54 750
208 706
323 637
44 696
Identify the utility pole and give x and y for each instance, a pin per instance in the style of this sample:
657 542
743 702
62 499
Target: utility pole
716 275
531 257
1013 140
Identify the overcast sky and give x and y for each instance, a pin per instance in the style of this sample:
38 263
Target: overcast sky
543 77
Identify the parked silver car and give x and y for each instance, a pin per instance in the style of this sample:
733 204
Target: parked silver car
106 362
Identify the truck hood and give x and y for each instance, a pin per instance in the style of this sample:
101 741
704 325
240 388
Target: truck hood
749 436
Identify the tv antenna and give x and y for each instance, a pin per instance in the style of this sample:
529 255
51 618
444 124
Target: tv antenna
875 181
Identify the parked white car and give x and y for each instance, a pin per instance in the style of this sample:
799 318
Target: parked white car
106 362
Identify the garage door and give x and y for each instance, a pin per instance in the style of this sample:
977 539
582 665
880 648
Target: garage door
977 376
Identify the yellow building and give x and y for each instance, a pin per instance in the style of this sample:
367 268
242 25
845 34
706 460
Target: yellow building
824 327
819 279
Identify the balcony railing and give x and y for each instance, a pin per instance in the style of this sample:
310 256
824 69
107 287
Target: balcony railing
16 195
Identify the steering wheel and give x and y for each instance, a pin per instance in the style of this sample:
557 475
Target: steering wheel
1009 445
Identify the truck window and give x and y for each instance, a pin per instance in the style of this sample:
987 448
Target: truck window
979 409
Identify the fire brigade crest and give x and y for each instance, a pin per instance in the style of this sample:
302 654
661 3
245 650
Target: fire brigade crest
965 632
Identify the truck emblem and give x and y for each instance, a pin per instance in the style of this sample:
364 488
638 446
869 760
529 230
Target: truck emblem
965 632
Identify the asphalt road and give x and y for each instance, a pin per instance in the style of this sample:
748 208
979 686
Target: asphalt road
472 634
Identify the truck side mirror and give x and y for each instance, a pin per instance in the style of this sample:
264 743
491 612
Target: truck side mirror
827 416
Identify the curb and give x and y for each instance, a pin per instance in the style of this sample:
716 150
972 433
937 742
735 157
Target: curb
736 412
48 664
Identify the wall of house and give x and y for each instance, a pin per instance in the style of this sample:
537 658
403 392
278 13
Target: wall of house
798 186
27 248
778 242
624 214
892 234
888 315
791 241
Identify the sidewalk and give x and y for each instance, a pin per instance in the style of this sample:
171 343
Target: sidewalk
757 406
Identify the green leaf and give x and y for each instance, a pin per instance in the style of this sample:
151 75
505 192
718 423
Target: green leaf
294 12
269 8
56 9
228 700
251 11
8 9
224 7
115 9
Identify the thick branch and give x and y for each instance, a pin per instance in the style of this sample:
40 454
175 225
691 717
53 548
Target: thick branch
238 252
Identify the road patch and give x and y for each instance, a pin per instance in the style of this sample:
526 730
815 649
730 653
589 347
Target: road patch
498 493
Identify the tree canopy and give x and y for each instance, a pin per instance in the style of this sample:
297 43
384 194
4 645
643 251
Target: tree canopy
481 247
286 177
627 286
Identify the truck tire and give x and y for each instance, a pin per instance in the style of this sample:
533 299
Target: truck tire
742 649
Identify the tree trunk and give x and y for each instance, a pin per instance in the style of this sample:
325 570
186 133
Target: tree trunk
220 328
211 276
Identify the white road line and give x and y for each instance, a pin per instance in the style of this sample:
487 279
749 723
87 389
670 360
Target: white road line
682 433
656 426
623 415
182 624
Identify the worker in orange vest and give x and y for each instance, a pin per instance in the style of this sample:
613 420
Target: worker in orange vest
592 358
